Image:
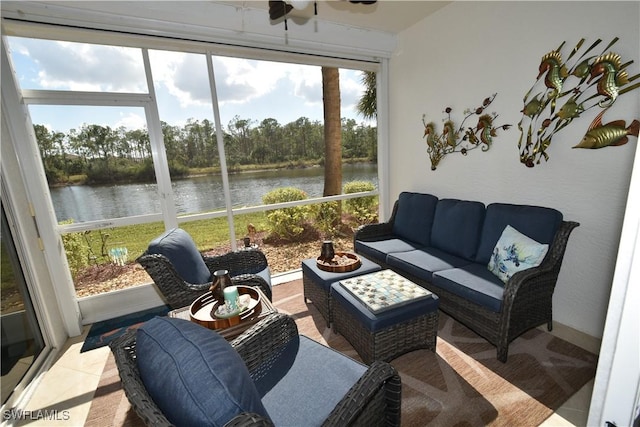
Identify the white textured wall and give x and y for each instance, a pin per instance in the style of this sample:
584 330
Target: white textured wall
469 50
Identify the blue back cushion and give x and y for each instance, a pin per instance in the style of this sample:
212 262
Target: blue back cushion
414 217
193 374
178 246
535 222
456 227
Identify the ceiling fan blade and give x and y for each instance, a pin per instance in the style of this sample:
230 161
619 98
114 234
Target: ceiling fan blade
363 1
278 9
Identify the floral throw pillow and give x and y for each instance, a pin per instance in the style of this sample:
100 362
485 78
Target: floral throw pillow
515 252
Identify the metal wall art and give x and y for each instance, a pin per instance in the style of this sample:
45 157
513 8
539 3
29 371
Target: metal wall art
575 86
461 140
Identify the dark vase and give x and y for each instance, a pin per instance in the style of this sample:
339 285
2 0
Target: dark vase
327 253
221 280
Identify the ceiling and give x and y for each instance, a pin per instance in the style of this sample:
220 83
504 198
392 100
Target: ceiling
391 16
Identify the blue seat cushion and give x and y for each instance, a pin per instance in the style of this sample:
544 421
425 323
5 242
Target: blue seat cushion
178 246
326 278
456 227
377 322
193 374
423 262
265 273
306 382
474 283
414 217
379 249
535 222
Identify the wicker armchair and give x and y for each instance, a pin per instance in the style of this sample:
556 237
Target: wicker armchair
375 399
527 300
243 267
180 293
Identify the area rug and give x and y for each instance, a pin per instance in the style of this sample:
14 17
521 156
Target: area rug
462 384
102 333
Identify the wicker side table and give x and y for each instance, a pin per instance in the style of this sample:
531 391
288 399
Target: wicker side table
389 333
317 283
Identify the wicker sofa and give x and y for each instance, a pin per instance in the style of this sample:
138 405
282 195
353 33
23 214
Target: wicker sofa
447 246
274 354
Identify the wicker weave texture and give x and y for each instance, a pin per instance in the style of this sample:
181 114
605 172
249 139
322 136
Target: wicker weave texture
527 301
242 266
319 295
389 343
375 399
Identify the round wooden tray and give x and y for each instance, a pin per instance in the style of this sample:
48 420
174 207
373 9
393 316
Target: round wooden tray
201 309
352 264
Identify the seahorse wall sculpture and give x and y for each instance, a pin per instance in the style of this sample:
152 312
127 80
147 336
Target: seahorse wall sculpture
461 140
590 81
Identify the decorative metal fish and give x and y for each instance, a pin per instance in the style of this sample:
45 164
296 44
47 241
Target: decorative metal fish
613 76
612 134
533 107
556 71
570 110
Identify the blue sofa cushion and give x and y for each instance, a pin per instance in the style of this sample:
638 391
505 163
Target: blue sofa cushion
384 319
379 249
422 263
473 282
309 376
538 223
178 246
414 217
193 374
456 227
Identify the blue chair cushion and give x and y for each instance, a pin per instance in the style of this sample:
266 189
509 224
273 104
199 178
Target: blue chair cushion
382 320
414 217
456 227
423 262
538 223
178 246
475 283
379 249
306 382
193 374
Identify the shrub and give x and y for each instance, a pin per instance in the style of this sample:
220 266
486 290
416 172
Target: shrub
362 208
76 249
285 222
327 217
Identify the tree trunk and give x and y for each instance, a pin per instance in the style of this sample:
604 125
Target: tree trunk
332 132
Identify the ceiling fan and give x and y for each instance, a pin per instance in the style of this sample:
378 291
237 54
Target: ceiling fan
279 9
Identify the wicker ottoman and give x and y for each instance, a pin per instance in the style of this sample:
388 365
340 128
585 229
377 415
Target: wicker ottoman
390 332
317 283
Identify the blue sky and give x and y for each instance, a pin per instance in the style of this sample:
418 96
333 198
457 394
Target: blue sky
250 89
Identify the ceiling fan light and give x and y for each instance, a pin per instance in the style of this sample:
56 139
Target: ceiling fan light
299 4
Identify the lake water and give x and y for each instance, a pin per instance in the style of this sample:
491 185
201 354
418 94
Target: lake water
198 194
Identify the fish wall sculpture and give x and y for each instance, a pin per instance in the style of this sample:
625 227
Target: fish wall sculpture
564 90
461 140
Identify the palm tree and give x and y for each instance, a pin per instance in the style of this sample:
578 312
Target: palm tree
332 131
367 105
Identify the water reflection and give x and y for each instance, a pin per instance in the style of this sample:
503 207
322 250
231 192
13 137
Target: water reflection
193 195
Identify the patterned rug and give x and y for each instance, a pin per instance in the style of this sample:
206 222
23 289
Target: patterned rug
462 384
101 333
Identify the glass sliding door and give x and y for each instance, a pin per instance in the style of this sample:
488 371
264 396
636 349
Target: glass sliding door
22 339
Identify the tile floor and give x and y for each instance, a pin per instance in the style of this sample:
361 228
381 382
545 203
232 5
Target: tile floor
68 386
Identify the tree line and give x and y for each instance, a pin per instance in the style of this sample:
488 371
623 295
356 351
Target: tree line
101 154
